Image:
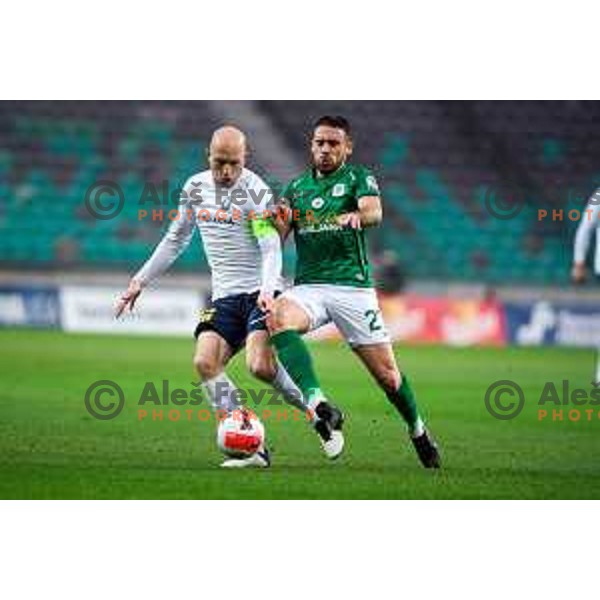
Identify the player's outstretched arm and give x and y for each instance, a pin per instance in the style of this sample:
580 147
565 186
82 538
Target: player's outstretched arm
174 242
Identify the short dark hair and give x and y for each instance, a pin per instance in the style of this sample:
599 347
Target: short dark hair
337 121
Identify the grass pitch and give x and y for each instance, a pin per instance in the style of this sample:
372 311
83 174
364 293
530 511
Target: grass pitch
50 447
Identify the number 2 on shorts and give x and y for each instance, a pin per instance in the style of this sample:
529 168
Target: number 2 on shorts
374 322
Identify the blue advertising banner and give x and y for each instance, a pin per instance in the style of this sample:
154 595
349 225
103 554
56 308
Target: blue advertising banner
553 323
30 307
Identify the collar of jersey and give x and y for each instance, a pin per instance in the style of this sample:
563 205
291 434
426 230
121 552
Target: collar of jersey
325 179
234 185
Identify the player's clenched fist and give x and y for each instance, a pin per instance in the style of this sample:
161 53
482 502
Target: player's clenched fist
351 219
128 298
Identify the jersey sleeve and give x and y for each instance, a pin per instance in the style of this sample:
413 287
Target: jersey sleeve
262 223
173 243
366 184
266 235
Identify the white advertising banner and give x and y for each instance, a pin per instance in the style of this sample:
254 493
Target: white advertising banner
170 311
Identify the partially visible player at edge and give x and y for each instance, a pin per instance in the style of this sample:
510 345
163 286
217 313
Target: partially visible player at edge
244 255
335 203
590 222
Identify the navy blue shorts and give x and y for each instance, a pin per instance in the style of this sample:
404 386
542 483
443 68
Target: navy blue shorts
233 318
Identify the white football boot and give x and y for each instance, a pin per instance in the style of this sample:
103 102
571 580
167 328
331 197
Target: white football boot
260 459
329 427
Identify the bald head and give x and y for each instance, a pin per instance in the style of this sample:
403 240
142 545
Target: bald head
227 155
228 138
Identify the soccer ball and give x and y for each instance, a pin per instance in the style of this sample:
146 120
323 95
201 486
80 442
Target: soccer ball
240 434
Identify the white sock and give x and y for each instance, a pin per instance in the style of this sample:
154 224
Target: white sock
221 393
284 383
419 429
316 397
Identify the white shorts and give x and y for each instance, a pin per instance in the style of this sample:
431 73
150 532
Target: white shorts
355 311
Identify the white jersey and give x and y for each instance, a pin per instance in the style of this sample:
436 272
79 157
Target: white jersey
223 217
590 222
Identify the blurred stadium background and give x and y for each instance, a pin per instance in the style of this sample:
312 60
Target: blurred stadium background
438 163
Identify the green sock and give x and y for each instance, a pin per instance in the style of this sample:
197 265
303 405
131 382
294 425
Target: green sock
404 401
294 356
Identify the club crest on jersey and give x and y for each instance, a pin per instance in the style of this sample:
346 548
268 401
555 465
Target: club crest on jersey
339 189
317 203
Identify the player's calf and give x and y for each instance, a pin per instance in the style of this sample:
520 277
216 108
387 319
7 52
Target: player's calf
381 363
389 378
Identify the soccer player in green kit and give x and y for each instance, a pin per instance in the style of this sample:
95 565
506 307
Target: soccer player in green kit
332 204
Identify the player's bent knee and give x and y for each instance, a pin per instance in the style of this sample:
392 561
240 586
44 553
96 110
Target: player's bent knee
207 367
262 369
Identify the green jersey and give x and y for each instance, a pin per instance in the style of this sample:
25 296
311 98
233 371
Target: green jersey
327 252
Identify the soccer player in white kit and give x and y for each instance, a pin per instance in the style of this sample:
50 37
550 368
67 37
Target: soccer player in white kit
227 204
590 222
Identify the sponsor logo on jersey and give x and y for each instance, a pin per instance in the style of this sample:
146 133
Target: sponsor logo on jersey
317 203
319 228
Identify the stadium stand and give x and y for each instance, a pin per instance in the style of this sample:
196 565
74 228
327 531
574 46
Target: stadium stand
437 163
